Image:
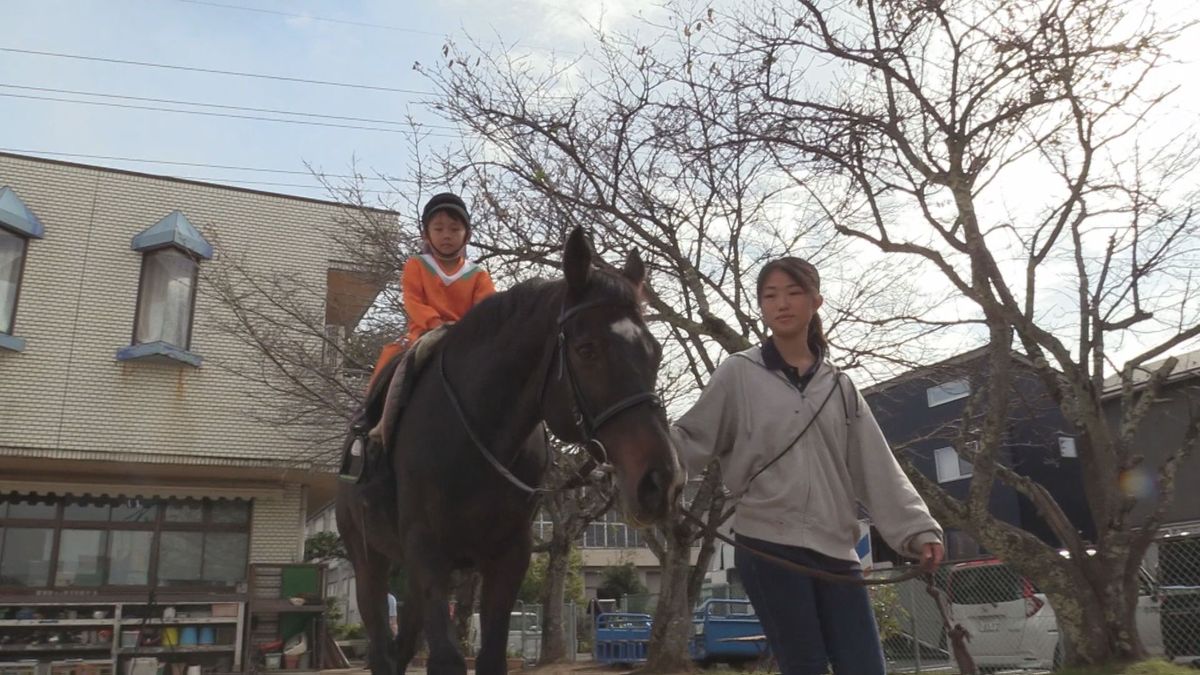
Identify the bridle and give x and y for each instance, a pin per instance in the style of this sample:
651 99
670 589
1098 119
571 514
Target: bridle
588 423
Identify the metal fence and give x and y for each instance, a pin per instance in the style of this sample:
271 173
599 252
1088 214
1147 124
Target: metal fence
910 626
1175 562
1012 624
525 631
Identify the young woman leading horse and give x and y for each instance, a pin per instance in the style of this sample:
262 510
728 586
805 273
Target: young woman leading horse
458 485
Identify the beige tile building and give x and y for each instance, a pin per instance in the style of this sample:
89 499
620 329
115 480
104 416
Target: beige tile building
131 457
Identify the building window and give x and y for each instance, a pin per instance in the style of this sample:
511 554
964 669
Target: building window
171 253
166 298
961 546
180 555
225 557
26 556
129 557
99 543
543 527
611 532
17 226
947 392
1066 447
12 263
950 466
81 555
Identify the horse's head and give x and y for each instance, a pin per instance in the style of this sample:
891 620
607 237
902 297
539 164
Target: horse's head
601 390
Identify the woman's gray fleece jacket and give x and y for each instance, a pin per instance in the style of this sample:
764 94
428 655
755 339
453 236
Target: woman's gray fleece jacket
745 417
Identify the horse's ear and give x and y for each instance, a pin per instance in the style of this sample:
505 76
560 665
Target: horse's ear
577 260
635 272
635 269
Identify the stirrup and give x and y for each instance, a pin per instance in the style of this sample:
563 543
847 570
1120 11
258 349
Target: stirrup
354 459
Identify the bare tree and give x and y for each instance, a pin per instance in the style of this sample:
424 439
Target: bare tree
1009 148
315 347
570 511
616 141
672 543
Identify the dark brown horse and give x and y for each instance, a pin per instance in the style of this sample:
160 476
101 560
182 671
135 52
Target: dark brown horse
458 488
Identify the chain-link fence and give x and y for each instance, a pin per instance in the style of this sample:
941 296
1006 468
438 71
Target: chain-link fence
1175 562
1012 624
525 631
910 625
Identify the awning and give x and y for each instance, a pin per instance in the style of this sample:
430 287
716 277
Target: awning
127 491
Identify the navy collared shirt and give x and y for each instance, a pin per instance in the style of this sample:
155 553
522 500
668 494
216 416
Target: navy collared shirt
773 360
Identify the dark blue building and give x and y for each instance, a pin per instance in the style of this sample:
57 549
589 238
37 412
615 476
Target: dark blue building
922 414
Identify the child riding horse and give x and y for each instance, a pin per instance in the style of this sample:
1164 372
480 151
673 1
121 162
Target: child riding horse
466 460
439 286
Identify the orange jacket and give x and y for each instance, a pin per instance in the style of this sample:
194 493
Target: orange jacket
432 297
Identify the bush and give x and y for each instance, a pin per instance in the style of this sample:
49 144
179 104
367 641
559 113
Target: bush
324 547
620 581
889 613
535 579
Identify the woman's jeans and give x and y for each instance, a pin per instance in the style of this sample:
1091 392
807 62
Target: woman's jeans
810 623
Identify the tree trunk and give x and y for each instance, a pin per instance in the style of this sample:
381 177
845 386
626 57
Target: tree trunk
1098 627
554 643
672 627
1094 598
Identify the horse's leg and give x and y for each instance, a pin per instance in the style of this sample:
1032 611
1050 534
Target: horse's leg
430 578
501 581
371 577
408 633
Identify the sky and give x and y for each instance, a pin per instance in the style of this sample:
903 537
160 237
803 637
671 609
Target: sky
372 43
362 50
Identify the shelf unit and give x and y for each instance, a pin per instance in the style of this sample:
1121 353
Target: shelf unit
124 621
195 621
36 648
275 617
192 649
49 623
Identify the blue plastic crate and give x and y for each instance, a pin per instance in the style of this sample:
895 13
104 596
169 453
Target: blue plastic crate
621 638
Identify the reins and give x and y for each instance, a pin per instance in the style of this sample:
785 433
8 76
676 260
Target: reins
587 422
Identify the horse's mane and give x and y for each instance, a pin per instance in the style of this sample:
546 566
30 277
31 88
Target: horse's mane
529 296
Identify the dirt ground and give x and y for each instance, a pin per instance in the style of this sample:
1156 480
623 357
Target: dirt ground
582 668
590 668
576 669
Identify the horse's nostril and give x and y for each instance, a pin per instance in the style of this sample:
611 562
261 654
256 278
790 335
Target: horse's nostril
653 489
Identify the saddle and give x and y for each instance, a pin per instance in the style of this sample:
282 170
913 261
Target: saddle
389 396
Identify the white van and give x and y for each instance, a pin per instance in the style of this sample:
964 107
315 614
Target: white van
1013 626
524 635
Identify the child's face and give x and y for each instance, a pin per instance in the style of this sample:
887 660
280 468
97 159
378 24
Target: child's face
446 234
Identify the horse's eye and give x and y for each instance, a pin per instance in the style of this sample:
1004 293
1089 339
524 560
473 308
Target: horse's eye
587 351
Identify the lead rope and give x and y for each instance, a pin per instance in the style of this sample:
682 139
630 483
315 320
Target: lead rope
959 636
797 567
